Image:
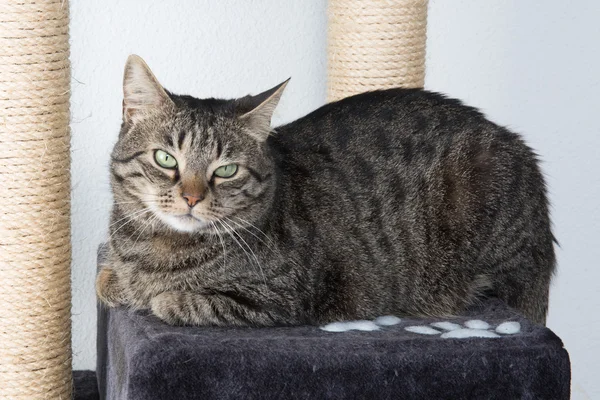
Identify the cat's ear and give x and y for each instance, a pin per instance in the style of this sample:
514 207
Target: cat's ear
258 111
141 90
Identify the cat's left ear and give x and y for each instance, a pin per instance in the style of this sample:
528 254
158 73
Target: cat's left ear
258 111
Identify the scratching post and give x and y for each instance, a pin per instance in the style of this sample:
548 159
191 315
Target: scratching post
375 44
35 252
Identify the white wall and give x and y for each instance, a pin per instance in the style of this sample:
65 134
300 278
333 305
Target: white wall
532 66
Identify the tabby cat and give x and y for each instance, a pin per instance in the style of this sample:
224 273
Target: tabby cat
397 201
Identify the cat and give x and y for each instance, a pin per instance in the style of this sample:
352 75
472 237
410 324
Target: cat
398 201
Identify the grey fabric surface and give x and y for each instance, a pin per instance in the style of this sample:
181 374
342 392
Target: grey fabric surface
85 386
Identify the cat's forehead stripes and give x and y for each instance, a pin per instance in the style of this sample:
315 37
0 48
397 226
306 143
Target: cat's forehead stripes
200 140
169 140
181 138
219 148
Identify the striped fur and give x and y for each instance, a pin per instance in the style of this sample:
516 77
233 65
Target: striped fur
396 202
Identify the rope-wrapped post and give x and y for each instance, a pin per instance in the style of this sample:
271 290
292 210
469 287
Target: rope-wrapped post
35 249
375 44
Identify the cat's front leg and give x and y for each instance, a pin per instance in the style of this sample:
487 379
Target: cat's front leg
190 308
108 289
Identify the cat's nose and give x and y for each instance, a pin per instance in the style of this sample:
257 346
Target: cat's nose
193 199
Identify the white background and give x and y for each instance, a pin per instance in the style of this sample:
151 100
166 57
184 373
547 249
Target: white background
532 66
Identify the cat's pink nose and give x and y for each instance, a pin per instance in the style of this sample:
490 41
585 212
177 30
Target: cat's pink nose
192 200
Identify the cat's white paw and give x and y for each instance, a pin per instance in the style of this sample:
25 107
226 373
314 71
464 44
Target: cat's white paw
350 326
471 328
447 330
509 328
469 333
422 329
387 320
447 326
362 325
477 324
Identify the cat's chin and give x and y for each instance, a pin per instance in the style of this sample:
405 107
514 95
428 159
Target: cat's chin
185 223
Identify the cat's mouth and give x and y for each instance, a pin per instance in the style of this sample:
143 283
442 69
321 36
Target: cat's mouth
188 217
185 222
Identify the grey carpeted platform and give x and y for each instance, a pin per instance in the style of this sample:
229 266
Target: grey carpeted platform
85 385
141 358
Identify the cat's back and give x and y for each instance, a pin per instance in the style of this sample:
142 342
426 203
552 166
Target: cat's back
379 119
402 152
408 127
387 129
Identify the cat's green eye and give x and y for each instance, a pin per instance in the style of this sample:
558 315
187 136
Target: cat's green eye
164 159
226 171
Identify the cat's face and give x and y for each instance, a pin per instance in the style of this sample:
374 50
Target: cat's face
192 165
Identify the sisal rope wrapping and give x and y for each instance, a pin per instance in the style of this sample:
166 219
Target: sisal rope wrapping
375 44
35 249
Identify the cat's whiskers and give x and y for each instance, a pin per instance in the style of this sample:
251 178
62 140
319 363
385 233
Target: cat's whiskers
131 214
255 227
232 233
143 227
214 225
224 209
132 218
249 224
235 239
250 232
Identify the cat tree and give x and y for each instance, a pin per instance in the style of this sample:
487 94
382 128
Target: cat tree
35 249
375 44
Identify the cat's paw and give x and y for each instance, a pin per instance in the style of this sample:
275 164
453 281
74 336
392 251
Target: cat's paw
168 307
107 288
183 308
473 328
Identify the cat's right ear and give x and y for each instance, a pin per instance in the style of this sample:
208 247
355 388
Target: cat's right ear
141 90
258 110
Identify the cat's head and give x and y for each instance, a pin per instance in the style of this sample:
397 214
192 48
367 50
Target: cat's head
188 164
